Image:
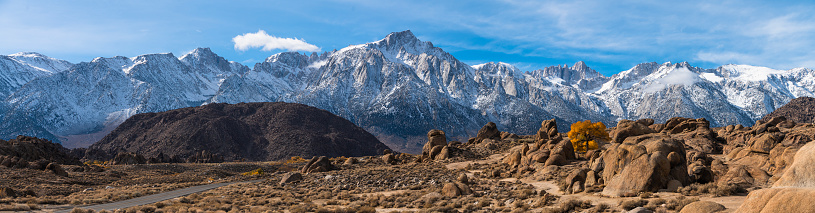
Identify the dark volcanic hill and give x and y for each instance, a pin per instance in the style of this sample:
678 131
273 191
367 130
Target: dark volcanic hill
800 110
254 131
32 149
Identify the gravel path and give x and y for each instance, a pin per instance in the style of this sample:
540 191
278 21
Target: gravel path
156 197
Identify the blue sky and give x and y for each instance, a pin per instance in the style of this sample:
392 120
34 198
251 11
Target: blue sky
611 36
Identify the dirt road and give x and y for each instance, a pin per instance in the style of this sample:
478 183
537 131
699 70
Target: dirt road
154 198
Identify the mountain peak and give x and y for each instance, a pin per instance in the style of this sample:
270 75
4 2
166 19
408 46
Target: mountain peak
397 40
572 75
28 54
201 52
498 68
401 36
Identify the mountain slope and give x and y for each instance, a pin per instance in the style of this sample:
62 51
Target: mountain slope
397 88
800 110
18 69
254 131
94 97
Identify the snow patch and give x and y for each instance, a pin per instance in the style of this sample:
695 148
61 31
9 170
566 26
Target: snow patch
712 77
751 73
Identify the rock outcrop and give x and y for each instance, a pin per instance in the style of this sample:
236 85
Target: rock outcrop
641 164
702 207
455 189
547 131
436 143
628 128
318 164
793 190
128 158
28 149
802 171
488 131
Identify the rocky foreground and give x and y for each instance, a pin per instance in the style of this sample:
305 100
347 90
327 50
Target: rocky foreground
682 165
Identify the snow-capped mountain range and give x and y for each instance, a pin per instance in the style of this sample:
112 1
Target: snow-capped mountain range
397 88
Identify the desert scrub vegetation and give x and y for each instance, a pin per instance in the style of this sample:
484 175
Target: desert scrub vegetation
295 160
112 194
676 204
19 207
631 204
711 188
255 172
571 205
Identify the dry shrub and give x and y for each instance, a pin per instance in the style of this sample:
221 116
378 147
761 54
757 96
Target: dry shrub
365 209
631 204
655 203
295 159
572 205
80 210
679 202
600 207
711 188
646 195
253 172
148 209
16 207
730 189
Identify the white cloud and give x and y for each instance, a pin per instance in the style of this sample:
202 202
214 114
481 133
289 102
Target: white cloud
678 76
268 42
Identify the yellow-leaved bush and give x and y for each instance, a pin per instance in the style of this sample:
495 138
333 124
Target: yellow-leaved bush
254 172
584 135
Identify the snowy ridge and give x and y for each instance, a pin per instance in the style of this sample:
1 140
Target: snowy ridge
397 88
18 69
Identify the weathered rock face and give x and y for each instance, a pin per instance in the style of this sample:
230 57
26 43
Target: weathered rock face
455 189
799 110
318 164
701 138
389 159
641 164
547 131
204 156
291 177
744 176
28 149
254 131
758 155
702 207
56 169
628 128
574 181
793 192
700 173
436 141
779 200
802 171
128 158
678 125
488 131
765 142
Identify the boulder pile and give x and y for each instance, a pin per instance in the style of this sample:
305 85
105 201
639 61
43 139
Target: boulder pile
792 192
643 163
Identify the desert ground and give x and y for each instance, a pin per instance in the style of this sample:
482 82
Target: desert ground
493 172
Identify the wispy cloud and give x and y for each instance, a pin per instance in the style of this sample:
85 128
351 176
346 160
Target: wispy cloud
268 43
